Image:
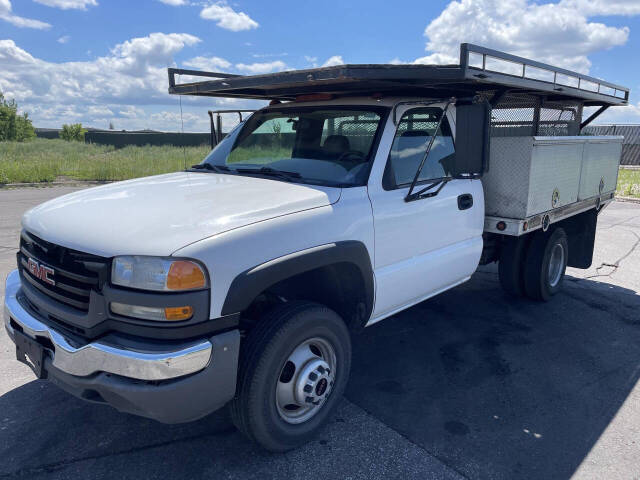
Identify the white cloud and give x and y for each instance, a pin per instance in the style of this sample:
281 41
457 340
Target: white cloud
269 55
134 72
174 118
131 112
259 68
69 4
21 22
616 115
604 7
208 63
127 86
333 61
64 39
94 110
556 33
174 3
227 18
137 56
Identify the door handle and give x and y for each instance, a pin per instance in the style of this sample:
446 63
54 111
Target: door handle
465 201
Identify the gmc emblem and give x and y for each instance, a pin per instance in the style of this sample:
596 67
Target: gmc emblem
40 271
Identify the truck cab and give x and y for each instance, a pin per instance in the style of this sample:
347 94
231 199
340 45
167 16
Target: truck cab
357 192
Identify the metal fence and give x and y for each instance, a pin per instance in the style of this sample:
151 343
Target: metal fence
121 139
630 144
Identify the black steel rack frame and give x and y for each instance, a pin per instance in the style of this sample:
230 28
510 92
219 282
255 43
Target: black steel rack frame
216 134
480 70
528 97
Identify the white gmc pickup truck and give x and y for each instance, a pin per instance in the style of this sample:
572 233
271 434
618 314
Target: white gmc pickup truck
359 191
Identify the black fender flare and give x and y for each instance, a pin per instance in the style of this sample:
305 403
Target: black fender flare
250 283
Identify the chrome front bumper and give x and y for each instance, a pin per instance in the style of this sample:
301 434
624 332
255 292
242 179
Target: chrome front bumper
151 363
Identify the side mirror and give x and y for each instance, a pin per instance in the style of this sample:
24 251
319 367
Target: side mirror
473 119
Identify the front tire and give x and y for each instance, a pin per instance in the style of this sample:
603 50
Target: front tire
546 263
294 367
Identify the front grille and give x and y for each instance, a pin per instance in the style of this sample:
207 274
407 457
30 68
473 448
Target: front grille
75 273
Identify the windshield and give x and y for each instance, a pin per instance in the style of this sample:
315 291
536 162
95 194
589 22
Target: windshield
318 145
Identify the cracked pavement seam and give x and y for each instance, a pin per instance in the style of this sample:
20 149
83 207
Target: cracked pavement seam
617 263
51 467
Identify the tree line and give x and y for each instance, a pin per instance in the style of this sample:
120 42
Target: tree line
15 127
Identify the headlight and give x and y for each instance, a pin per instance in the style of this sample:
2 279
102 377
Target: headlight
157 273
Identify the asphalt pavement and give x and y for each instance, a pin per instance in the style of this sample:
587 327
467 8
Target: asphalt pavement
469 384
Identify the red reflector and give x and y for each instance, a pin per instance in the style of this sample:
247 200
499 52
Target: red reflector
314 97
525 225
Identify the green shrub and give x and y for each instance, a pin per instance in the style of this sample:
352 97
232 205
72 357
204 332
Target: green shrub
73 132
14 127
628 183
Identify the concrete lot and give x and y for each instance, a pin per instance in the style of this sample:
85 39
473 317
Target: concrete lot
470 384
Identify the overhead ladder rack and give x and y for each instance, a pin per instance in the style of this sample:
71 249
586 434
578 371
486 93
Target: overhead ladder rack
480 70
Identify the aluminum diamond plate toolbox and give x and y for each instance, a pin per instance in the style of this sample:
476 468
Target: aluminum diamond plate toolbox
531 175
600 166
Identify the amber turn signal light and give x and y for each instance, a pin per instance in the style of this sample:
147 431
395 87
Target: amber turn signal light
185 275
178 313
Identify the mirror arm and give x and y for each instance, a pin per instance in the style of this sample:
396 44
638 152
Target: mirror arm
424 193
410 195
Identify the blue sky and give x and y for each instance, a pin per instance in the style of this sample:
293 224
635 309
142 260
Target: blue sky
101 61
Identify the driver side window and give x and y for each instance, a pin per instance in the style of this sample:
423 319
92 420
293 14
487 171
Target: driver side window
414 132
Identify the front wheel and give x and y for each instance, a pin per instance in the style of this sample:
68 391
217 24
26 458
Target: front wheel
294 367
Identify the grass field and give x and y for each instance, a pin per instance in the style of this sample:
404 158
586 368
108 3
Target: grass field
628 183
43 160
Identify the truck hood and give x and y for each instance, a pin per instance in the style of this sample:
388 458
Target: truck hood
158 215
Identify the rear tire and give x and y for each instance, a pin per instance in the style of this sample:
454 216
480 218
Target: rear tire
510 265
300 352
545 264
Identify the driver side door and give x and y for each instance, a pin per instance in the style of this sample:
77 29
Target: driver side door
427 245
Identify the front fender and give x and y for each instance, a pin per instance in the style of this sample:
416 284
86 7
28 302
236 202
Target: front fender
250 283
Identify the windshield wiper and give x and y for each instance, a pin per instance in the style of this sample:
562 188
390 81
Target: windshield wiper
289 176
213 168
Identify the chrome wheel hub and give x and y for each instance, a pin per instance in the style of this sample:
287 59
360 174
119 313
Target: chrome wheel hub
314 383
556 264
306 380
